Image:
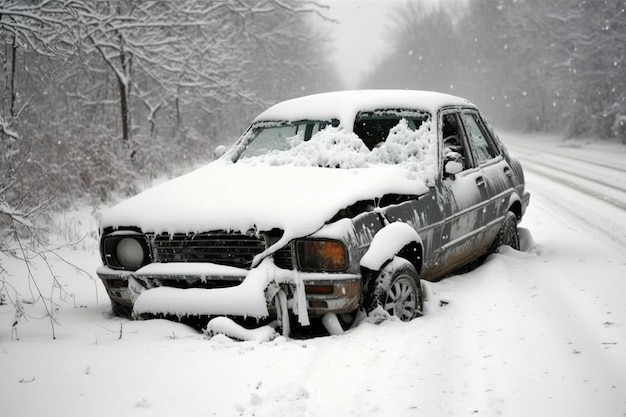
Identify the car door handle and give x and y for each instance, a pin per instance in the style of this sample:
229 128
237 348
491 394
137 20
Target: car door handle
507 171
480 181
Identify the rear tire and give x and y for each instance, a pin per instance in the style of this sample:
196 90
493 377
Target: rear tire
508 234
397 290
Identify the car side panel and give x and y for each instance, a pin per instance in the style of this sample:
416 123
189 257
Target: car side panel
463 201
501 186
425 216
365 226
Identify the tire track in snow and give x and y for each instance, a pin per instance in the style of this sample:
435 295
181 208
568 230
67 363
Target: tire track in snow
530 152
602 179
601 217
557 176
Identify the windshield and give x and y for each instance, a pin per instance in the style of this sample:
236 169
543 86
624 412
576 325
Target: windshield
389 137
267 137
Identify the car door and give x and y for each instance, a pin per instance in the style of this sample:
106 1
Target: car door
421 210
462 198
496 171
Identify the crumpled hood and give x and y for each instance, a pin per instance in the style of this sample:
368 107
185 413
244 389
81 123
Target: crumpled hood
240 197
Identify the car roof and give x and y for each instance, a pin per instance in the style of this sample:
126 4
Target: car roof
344 105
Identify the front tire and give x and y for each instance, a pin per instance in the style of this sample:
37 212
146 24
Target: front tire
397 290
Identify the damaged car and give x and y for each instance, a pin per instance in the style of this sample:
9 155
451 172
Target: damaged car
327 205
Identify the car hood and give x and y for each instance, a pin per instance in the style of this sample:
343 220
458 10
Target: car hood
240 197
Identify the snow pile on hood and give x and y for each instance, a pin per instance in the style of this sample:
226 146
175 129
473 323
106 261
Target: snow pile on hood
240 197
415 151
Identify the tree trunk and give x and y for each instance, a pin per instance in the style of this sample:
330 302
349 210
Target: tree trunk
124 94
179 116
124 110
13 72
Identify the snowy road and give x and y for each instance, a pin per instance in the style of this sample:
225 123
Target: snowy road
585 187
535 333
597 179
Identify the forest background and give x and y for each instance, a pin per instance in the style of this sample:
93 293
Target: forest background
100 97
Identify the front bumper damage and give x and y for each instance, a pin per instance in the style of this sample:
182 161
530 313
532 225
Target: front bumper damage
205 289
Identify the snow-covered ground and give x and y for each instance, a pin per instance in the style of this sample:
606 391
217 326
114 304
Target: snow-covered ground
534 333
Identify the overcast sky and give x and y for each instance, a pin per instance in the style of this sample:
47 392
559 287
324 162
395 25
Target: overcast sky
360 36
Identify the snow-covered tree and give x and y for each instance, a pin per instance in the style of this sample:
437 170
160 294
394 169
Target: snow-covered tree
185 53
538 65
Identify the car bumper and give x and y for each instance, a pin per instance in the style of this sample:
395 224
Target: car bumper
338 293
116 284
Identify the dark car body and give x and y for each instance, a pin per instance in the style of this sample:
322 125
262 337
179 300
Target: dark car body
302 206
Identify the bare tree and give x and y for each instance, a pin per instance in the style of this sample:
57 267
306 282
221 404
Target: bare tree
46 29
174 53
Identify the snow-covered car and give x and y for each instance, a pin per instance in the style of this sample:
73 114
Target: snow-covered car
327 205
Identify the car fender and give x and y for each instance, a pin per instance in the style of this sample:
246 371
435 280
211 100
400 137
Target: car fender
387 243
515 205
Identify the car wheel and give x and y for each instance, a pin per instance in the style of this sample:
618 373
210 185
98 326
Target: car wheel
508 234
397 290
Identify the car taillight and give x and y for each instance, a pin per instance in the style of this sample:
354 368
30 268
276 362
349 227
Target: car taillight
321 255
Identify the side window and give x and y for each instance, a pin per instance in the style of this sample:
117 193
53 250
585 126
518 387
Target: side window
452 141
479 138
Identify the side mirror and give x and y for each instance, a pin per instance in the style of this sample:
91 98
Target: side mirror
219 151
452 164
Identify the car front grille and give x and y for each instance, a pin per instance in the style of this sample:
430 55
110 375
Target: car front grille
229 249
283 258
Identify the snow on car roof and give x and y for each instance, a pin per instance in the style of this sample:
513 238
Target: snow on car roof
344 105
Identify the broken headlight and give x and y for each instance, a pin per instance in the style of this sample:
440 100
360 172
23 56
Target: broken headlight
321 255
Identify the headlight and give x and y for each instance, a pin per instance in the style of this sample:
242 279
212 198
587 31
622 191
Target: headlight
129 253
321 255
125 252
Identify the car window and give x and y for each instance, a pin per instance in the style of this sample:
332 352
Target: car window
483 146
373 127
268 137
454 147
